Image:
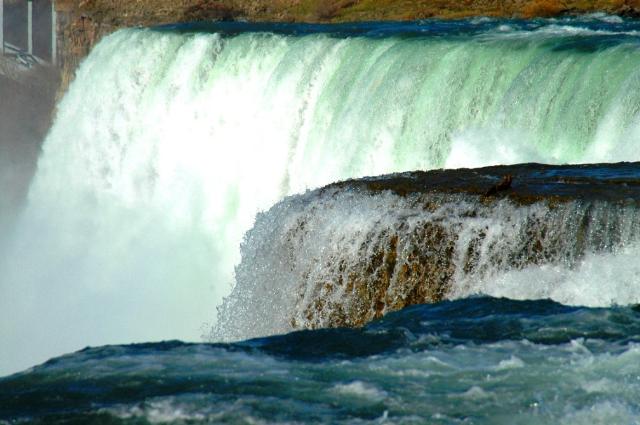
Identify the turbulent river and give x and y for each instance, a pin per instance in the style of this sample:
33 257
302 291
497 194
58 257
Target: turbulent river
175 200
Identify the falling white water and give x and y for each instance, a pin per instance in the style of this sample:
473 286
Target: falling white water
299 258
167 144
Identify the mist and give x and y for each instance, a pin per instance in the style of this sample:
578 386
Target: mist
27 103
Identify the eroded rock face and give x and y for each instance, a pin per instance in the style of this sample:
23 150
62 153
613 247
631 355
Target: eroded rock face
356 250
401 267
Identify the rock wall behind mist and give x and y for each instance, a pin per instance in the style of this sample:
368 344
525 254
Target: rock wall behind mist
26 101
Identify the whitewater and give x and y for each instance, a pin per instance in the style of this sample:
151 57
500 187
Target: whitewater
171 140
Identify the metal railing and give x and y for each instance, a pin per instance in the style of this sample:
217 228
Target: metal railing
25 57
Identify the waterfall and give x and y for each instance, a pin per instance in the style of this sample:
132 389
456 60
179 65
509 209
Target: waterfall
170 141
344 255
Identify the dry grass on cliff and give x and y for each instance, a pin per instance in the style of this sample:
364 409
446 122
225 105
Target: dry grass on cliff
543 8
358 10
372 10
548 8
136 12
452 9
326 10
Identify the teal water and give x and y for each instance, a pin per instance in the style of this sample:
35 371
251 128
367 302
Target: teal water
478 361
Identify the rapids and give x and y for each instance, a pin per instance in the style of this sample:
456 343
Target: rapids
477 360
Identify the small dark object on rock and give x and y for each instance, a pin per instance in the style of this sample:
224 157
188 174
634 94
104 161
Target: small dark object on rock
504 184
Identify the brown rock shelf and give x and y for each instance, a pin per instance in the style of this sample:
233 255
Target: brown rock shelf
354 251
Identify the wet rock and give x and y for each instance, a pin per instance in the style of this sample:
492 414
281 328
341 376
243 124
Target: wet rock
356 250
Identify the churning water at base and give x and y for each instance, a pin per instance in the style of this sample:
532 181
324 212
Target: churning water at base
170 141
478 360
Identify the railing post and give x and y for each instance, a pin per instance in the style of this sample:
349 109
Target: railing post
54 33
30 26
1 27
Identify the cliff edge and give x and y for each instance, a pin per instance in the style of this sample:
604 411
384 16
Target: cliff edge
354 251
82 23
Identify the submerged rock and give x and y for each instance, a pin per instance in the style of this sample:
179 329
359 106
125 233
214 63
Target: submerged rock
356 250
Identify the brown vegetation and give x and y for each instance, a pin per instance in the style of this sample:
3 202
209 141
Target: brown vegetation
162 11
329 9
543 8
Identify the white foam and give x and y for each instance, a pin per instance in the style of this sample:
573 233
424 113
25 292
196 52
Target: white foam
482 147
361 389
602 413
305 248
598 280
475 393
512 363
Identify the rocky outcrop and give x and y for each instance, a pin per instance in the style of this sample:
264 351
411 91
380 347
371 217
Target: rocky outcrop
417 259
357 250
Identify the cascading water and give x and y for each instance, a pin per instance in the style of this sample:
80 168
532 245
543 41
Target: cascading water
352 252
170 141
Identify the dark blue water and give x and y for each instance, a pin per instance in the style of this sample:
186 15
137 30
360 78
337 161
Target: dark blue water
604 24
479 360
